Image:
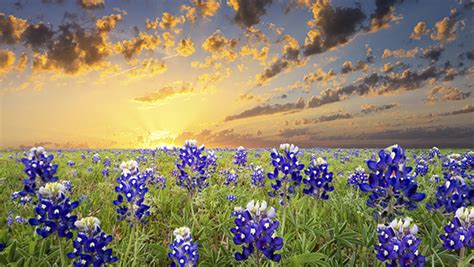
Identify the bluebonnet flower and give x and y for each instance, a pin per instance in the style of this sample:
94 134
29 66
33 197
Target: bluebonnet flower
83 156
90 245
459 232
231 177
286 173
456 163
231 198
155 178
19 219
95 158
39 168
70 163
358 177
54 212
107 162
434 152
257 176
89 169
240 157
193 167
318 179
398 244
105 172
453 194
131 191
421 167
255 229
184 252
2 246
390 186
10 220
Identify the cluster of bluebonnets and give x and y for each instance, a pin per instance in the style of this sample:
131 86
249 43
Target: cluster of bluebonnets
388 182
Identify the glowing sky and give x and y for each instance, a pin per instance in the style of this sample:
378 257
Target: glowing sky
103 73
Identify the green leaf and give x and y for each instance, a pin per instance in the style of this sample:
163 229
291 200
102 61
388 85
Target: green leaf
316 258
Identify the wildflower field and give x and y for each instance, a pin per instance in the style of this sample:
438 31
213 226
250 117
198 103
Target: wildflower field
237 207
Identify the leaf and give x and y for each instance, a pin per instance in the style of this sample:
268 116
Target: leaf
315 258
12 252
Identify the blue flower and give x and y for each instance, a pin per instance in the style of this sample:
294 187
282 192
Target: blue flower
154 178
398 244
184 252
358 177
460 231
240 157
255 230
286 173
193 167
231 198
231 177
421 167
390 186
39 168
95 158
131 190
453 194
318 179
53 212
257 177
90 245
106 162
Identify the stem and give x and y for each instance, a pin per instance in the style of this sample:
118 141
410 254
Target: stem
283 220
61 251
128 245
257 256
461 256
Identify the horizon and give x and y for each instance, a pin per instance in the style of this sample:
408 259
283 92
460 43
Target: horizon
97 74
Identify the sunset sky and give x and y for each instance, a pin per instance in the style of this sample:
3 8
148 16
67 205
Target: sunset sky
257 73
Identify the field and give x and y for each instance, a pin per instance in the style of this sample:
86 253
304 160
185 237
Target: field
339 231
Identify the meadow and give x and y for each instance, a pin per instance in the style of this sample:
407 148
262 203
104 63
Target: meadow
338 231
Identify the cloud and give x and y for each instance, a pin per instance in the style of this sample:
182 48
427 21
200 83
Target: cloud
319 75
166 92
255 53
376 84
445 93
134 47
390 66
207 8
220 47
464 110
7 59
92 4
331 27
387 53
37 35
11 28
268 110
335 116
383 14
370 108
185 47
226 138
248 12
419 30
289 59
433 52
149 68
348 67
446 29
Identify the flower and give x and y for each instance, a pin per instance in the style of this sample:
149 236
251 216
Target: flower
285 162
184 252
240 157
318 179
95 158
90 245
39 168
131 190
129 167
421 167
54 212
88 224
357 177
231 198
460 231
257 176
391 188
453 194
255 229
398 244
231 177
193 167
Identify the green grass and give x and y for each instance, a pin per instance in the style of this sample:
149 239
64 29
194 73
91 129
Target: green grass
336 232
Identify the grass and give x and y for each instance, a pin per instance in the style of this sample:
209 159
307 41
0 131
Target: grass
336 232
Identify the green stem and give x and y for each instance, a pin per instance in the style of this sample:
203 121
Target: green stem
61 252
128 246
461 256
283 221
257 256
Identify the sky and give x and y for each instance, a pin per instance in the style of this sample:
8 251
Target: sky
229 73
